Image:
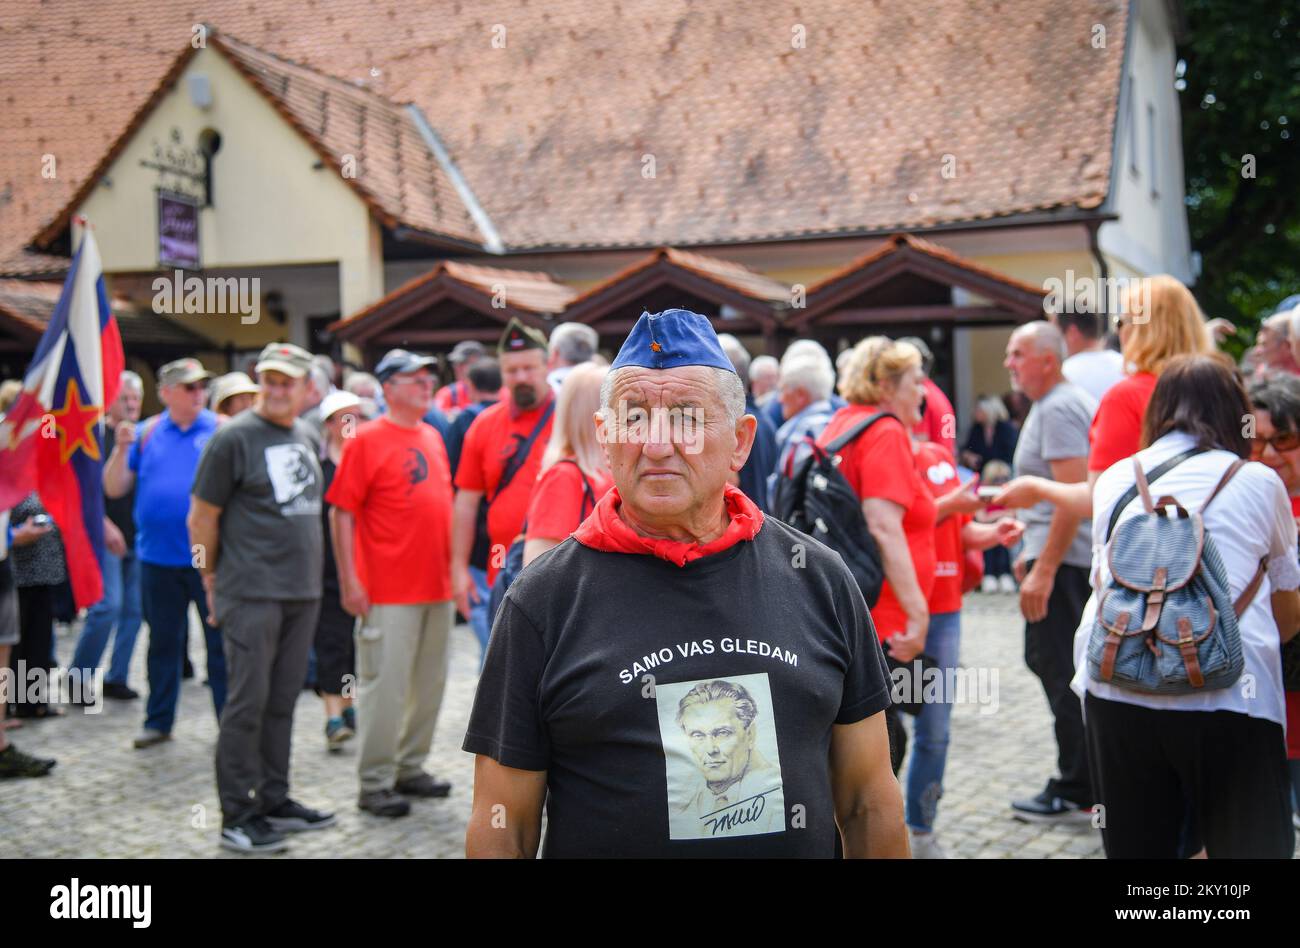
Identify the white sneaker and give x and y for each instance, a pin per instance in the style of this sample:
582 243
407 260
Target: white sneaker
926 846
989 584
1006 584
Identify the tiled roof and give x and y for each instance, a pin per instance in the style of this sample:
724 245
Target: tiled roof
30 303
395 173
890 116
25 263
900 241
731 275
522 290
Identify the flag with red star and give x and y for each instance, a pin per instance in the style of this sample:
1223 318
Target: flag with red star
49 440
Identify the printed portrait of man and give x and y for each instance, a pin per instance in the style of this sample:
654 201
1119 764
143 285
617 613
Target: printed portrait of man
737 791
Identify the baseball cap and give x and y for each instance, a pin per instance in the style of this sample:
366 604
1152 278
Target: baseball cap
400 360
337 401
284 357
232 383
182 372
466 350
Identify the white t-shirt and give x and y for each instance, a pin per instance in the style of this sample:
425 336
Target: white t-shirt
1095 371
1249 519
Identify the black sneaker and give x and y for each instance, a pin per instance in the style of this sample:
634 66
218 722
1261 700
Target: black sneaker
187 669
1049 808
253 835
423 786
384 803
292 817
14 763
119 691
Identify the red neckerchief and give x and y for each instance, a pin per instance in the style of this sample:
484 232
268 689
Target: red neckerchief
606 531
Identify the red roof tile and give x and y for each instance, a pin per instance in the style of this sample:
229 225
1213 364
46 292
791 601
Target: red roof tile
751 137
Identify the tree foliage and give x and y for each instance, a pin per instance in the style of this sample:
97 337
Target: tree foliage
1239 91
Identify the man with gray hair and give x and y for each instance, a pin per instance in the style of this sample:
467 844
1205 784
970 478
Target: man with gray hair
1054 563
764 375
677 566
118 613
804 393
571 344
752 478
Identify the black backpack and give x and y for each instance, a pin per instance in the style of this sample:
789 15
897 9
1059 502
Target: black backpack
814 498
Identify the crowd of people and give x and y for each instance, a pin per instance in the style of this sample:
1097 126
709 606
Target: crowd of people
330 523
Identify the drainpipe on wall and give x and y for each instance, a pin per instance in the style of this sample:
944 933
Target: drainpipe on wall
1103 270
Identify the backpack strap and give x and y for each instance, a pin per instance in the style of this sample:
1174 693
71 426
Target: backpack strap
840 443
523 448
1160 469
1248 594
1233 468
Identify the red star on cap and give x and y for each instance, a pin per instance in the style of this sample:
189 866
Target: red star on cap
655 347
75 424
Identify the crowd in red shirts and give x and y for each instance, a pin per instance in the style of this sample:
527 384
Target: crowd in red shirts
421 498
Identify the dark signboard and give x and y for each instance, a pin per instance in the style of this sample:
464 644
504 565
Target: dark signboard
178 231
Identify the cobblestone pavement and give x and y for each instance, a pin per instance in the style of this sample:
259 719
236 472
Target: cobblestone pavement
106 799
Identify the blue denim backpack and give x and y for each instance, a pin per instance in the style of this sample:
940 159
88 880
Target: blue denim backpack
1167 623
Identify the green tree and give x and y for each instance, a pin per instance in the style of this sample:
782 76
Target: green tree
1239 86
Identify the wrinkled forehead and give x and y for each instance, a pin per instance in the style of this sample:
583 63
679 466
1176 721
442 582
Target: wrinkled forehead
694 384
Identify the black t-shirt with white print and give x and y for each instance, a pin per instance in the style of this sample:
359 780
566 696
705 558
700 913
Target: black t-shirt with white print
681 711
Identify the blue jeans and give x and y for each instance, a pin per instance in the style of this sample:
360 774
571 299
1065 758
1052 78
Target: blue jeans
166 593
930 732
120 607
478 614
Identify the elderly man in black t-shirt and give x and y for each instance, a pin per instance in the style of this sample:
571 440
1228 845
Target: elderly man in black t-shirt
682 677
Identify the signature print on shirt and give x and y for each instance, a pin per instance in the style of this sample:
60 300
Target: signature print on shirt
720 757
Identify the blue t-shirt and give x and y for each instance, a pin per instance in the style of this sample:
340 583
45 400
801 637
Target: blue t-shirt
164 476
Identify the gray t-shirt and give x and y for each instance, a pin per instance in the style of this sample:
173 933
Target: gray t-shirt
1056 429
268 482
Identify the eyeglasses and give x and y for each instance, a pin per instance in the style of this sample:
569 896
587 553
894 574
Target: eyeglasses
1282 443
195 386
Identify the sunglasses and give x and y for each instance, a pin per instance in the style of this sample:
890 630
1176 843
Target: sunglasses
1281 443
195 386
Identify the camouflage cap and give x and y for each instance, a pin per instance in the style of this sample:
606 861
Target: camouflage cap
284 357
182 372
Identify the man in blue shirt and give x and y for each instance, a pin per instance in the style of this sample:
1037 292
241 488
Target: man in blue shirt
159 461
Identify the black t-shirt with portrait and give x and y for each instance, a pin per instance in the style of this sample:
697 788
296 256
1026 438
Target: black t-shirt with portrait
681 711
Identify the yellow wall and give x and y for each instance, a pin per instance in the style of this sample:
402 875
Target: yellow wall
271 207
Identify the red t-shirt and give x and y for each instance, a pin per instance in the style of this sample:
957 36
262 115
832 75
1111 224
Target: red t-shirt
559 502
451 398
396 482
939 470
881 463
489 442
939 423
1116 431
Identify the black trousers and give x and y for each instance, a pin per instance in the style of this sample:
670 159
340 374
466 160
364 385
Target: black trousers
35 645
1049 653
1148 765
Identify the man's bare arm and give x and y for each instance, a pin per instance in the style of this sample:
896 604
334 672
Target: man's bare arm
868 802
506 820
204 523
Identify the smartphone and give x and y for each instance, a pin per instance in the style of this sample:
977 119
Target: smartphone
988 493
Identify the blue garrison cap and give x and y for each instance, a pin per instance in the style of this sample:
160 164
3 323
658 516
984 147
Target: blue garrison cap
671 339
